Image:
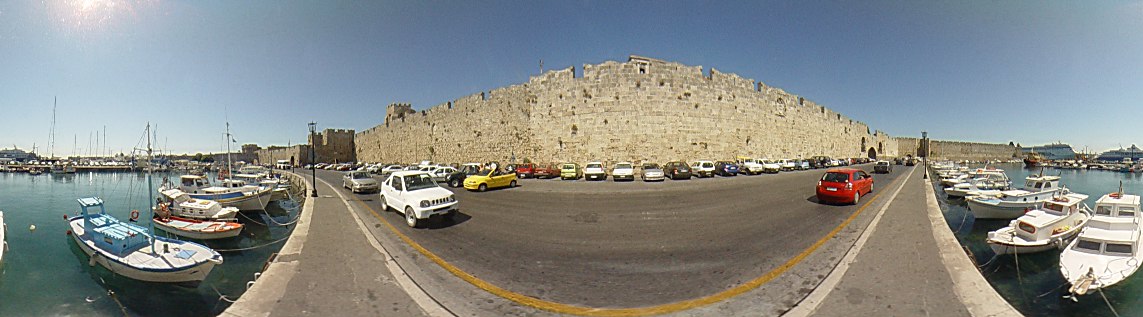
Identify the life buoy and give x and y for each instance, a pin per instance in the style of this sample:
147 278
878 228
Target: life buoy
1114 195
134 215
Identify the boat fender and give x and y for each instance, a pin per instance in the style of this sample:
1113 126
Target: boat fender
65 217
32 228
91 262
134 214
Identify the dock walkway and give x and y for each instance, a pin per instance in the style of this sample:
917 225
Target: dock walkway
338 274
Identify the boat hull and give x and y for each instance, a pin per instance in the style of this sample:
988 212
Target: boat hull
997 211
196 234
189 276
253 202
999 246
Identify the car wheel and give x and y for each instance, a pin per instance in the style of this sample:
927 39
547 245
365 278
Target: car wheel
384 206
483 187
410 217
454 183
856 197
512 184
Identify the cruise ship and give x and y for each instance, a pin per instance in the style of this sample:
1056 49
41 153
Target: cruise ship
1133 153
16 154
1054 151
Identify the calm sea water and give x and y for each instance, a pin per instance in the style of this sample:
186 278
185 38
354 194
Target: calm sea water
46 274
1035 286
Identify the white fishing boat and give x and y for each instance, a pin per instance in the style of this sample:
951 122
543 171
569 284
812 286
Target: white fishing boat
984 184
1106 251
178 204
1010 204
1051 226
131 251
197 229
232 193
278 186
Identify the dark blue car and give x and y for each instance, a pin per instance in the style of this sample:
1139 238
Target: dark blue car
725 168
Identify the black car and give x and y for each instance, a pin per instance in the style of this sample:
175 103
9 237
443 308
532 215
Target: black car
910 161
820 161
725 168
456 179
677 170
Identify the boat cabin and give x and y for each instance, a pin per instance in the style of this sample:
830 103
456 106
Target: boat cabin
1041 183
194 181
1050 219
1116 212
108 233
1108 242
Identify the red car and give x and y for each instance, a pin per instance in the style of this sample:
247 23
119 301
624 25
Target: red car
526 170
844 185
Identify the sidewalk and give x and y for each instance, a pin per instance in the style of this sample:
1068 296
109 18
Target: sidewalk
899 271
335 273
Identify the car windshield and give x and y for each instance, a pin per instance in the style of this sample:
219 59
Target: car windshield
359 175
836 177
594 166
650 166
623 166
419 181
484 172
707 164
568 166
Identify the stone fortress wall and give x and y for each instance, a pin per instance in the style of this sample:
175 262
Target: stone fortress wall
956 150
640 110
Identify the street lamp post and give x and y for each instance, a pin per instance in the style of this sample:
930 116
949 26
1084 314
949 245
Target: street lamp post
313 157
925 143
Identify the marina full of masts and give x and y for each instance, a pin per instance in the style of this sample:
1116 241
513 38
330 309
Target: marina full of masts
1099 247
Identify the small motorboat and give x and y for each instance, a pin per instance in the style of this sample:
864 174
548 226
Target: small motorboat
1052 226
1010 204
1106 251
178 204
988 184
197 229
232 193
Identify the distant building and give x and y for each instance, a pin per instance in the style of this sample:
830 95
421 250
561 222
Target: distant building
1054 151
16 155
333 146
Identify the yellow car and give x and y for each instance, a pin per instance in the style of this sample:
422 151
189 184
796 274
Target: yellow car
486 179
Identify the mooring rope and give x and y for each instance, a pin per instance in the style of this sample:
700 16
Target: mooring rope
1108 303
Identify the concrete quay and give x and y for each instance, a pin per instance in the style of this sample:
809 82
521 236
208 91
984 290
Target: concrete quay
745 245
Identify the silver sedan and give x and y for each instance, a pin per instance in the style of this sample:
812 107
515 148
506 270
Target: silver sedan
651 172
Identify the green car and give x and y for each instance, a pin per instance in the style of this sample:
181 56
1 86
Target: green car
569 171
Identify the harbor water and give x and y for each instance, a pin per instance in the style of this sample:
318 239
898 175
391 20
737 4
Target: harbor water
1032 282
45 274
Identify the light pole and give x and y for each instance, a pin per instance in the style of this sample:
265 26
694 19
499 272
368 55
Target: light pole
925 144
313 157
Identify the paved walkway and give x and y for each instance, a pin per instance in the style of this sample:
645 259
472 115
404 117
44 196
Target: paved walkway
339 274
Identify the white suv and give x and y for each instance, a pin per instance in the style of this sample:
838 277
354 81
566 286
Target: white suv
702 168
416 195
749 166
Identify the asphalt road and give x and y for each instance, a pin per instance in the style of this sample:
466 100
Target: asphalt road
631 244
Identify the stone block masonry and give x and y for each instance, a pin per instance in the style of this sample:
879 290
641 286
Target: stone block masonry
642 110
956 150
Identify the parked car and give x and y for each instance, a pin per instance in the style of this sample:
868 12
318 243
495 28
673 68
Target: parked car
804 164
651 172
769 166
677 170
844 185
594 171
787 164
910 161
725 168
441 173
819 161
570 171
702 169
882 167
750 166
526 170
623 171
456 179
417 196
898 161
547 170
359 181
490 178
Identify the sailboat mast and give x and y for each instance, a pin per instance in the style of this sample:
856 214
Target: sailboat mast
229 164
52 141
150 192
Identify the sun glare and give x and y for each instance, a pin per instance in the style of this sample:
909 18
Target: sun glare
91 16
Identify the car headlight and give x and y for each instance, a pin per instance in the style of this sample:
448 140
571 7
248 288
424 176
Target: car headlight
424 204
451 197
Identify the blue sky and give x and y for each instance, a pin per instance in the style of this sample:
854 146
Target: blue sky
991 71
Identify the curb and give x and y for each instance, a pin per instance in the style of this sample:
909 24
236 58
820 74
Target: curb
259 299
969 285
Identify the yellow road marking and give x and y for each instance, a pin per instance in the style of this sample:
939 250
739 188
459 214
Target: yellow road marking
637 311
